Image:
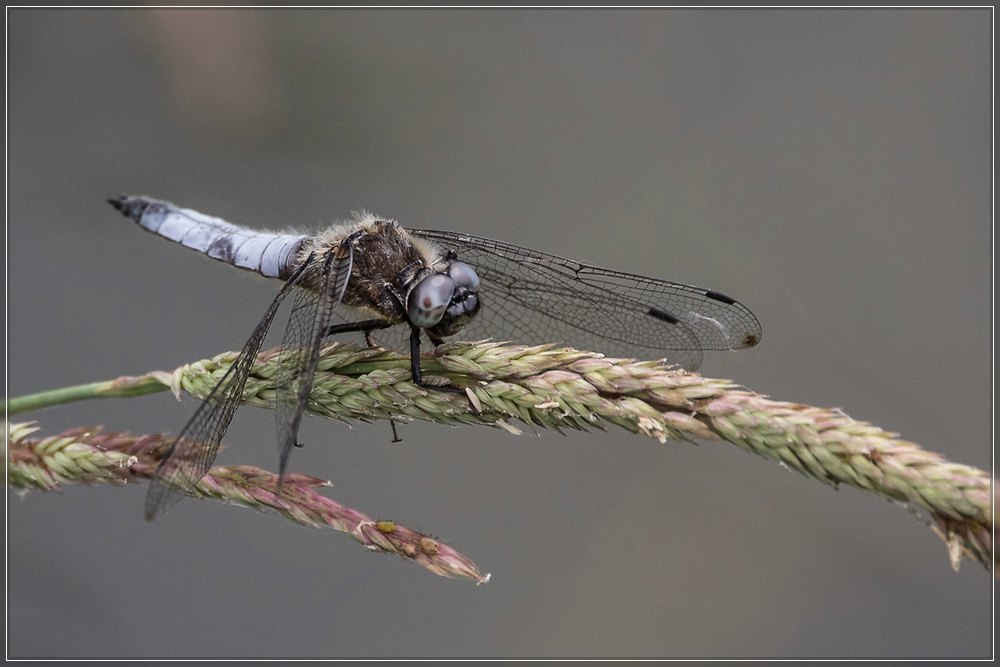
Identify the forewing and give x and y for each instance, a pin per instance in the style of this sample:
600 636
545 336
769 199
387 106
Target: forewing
307 326
194 450
532 297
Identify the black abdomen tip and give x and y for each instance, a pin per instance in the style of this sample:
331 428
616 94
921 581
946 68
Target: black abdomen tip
132 207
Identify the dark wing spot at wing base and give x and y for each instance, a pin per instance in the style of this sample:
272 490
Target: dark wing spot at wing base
662 315
719 296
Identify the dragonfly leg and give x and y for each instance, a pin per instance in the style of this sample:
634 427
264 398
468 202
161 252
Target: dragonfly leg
364 326
367 326
415 365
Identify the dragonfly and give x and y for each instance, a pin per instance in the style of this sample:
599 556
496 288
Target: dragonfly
373 276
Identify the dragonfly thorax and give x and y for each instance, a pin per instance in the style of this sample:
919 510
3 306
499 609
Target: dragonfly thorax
395 276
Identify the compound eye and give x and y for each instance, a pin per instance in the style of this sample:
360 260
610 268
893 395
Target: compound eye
464 276
429 299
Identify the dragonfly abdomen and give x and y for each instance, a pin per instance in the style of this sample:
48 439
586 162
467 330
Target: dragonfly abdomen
267 253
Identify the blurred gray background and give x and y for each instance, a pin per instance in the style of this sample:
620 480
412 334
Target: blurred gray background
830 169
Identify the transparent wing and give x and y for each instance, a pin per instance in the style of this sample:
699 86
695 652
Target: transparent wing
194 450
532 297
307 326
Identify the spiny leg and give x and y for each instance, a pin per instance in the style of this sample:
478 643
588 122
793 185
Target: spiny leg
415 368
365 326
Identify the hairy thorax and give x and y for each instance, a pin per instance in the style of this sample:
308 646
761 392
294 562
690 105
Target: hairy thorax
387 262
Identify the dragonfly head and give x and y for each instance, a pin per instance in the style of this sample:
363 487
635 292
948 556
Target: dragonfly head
444 302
